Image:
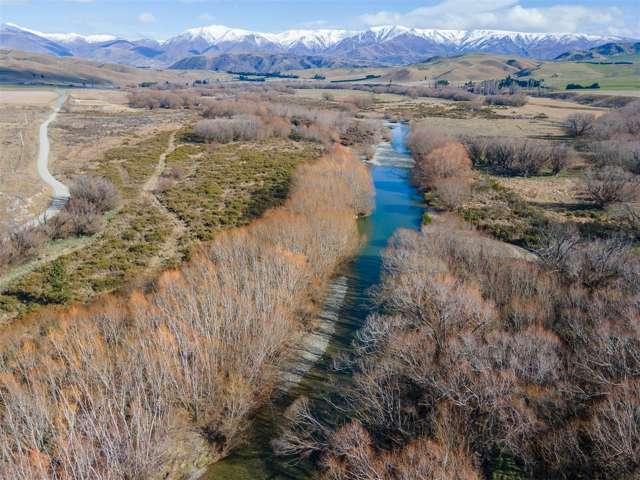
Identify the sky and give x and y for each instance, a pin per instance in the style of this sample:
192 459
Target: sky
161 19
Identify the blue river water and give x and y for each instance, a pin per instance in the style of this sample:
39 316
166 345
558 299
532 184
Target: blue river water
397 205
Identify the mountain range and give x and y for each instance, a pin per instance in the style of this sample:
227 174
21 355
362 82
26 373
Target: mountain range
220 47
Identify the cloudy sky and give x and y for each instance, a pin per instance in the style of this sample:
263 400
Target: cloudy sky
163 18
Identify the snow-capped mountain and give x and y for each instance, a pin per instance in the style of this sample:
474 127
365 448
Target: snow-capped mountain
66 37
14 37
388 44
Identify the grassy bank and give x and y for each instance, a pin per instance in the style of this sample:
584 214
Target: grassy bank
217 188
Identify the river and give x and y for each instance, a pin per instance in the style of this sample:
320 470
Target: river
397 205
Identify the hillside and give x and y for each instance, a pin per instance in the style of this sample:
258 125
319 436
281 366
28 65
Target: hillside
609 52
267 63
609 76
461 68
31 68
556 74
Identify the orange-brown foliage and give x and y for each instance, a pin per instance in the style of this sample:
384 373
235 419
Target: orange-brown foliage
98 393
442 165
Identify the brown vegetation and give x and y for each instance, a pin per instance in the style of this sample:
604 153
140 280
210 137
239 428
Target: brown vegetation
447 93
247 117
163 99
479 356
105 390
442 164
517 100
225 130
18 244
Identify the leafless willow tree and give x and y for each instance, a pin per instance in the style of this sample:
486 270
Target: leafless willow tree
579 124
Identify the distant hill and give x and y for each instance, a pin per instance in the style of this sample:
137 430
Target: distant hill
609 52
265 63
461 68
32 68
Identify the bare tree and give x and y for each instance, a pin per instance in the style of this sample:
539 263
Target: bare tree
579 124
558 244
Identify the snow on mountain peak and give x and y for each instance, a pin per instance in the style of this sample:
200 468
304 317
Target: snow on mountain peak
66 37
393 43
323 38
214 34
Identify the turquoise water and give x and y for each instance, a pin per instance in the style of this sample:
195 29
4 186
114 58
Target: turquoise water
397 205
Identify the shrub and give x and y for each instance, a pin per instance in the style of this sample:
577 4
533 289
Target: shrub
362 132
624 154
361 101
557 245
222 130
98 191
452 192
615 431
619 123
510 156
444 162
517 100
442 165
19 244
422 139
611 184
79 217
476 147
163 99
601 262
227 109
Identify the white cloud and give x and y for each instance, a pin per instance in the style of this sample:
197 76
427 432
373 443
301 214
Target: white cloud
146 17
511 15
206 17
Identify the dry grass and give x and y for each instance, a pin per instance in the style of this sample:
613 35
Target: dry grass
541 117
33 68
545 190
95 121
